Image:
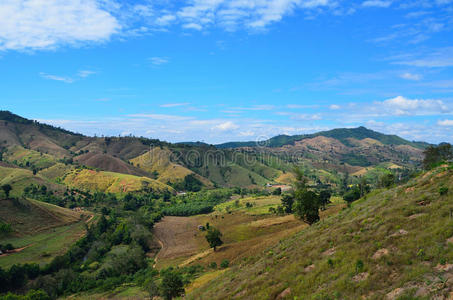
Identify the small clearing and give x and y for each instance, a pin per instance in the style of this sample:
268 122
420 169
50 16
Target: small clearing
177 237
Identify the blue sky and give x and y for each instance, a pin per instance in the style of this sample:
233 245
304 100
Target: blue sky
219 70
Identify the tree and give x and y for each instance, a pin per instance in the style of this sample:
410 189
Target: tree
324 198
435 155
287 203
213 237
172 285
306 206
277 191
306 203
363 186
7 188
352 195
387 180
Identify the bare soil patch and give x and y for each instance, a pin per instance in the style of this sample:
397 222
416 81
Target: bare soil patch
177 237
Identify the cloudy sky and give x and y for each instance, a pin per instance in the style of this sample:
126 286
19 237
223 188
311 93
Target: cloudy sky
223 70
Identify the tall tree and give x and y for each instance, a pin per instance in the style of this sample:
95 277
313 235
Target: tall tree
437 154
213 237
172 285
7 188
306 203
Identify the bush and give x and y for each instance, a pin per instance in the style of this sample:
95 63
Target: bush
442 191
172 285
359 266
225 264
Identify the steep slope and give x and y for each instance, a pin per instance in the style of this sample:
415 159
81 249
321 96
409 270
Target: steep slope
110 163
391 244
28 216
20 178
158 162
110 182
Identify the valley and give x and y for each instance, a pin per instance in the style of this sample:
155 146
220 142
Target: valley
121 216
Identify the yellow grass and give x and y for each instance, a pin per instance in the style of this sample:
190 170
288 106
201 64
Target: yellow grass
111 182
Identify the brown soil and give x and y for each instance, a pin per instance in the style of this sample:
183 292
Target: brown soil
14 251
176 236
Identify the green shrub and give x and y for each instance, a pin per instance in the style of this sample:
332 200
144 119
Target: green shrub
213 265
225 264
359 266
443 191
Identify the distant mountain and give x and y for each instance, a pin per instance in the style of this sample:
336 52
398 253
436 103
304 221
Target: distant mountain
341 134
32 152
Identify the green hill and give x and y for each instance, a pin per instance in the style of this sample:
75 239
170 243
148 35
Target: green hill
53 153
341 134
393 244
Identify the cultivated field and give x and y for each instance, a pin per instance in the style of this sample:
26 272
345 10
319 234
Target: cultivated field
246 231
177 237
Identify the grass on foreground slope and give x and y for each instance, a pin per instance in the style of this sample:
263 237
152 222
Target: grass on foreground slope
28 216
391 244
42 229
110 182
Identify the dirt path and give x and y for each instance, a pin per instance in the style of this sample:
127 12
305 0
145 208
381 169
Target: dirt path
15 251
176 235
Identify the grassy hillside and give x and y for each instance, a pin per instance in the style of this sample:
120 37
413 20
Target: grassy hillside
39 230
27 158
392 243
28 216
110 182
158 162
20 178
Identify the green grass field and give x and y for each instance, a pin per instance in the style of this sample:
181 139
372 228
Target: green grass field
41 248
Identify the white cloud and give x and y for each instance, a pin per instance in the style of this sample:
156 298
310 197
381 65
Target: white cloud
248 13
192 26
56 77
158 60
256 107
247 133
161 117
376 3
165 20
226 126
434 58
37 24
411 76
334 107
448 123
307 117
85 73
67 79
174 104
401 106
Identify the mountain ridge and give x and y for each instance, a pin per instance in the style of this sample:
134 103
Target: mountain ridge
341 134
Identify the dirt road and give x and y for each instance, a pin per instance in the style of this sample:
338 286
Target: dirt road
176 236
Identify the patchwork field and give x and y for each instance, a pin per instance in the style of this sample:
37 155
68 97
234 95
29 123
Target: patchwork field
245 230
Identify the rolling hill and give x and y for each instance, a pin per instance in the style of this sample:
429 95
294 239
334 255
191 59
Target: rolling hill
392 244
53 154
341 134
